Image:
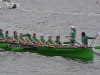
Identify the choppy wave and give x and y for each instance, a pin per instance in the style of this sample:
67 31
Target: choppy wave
59 12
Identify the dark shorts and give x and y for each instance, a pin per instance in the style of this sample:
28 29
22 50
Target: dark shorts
72 41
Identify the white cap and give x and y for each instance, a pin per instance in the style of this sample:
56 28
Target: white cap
42 34
72 26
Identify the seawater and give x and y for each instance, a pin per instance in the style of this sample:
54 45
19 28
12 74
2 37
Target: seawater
50 17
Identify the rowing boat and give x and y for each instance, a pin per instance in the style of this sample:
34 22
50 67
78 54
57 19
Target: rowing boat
77 52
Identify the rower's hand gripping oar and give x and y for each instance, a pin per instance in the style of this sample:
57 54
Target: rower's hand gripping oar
81 44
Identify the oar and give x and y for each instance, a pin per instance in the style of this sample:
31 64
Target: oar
81 44
65 42
78 43
97 47
94 52
95 38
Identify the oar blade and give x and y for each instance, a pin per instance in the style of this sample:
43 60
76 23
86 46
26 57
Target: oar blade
97 47
66 43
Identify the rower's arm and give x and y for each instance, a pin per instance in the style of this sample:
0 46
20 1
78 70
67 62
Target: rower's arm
90 37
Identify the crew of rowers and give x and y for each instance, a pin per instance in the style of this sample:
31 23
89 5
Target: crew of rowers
32 39
29 39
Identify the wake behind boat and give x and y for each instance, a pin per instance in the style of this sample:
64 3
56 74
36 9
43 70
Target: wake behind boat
8 4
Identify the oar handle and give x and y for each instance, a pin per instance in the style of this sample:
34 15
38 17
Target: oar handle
77 43
93 40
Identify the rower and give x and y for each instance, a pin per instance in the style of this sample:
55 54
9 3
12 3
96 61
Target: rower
72 36
7 37
1 33
85 38
15 37
21 39
1 36
42 40
57 42
36 42
49 42
29 39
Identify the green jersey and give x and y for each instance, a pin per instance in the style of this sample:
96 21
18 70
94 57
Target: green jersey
49 41
7 37
30 38
57 41
16 37
85 40
35 39
72 33
21 38
42 40
1 35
